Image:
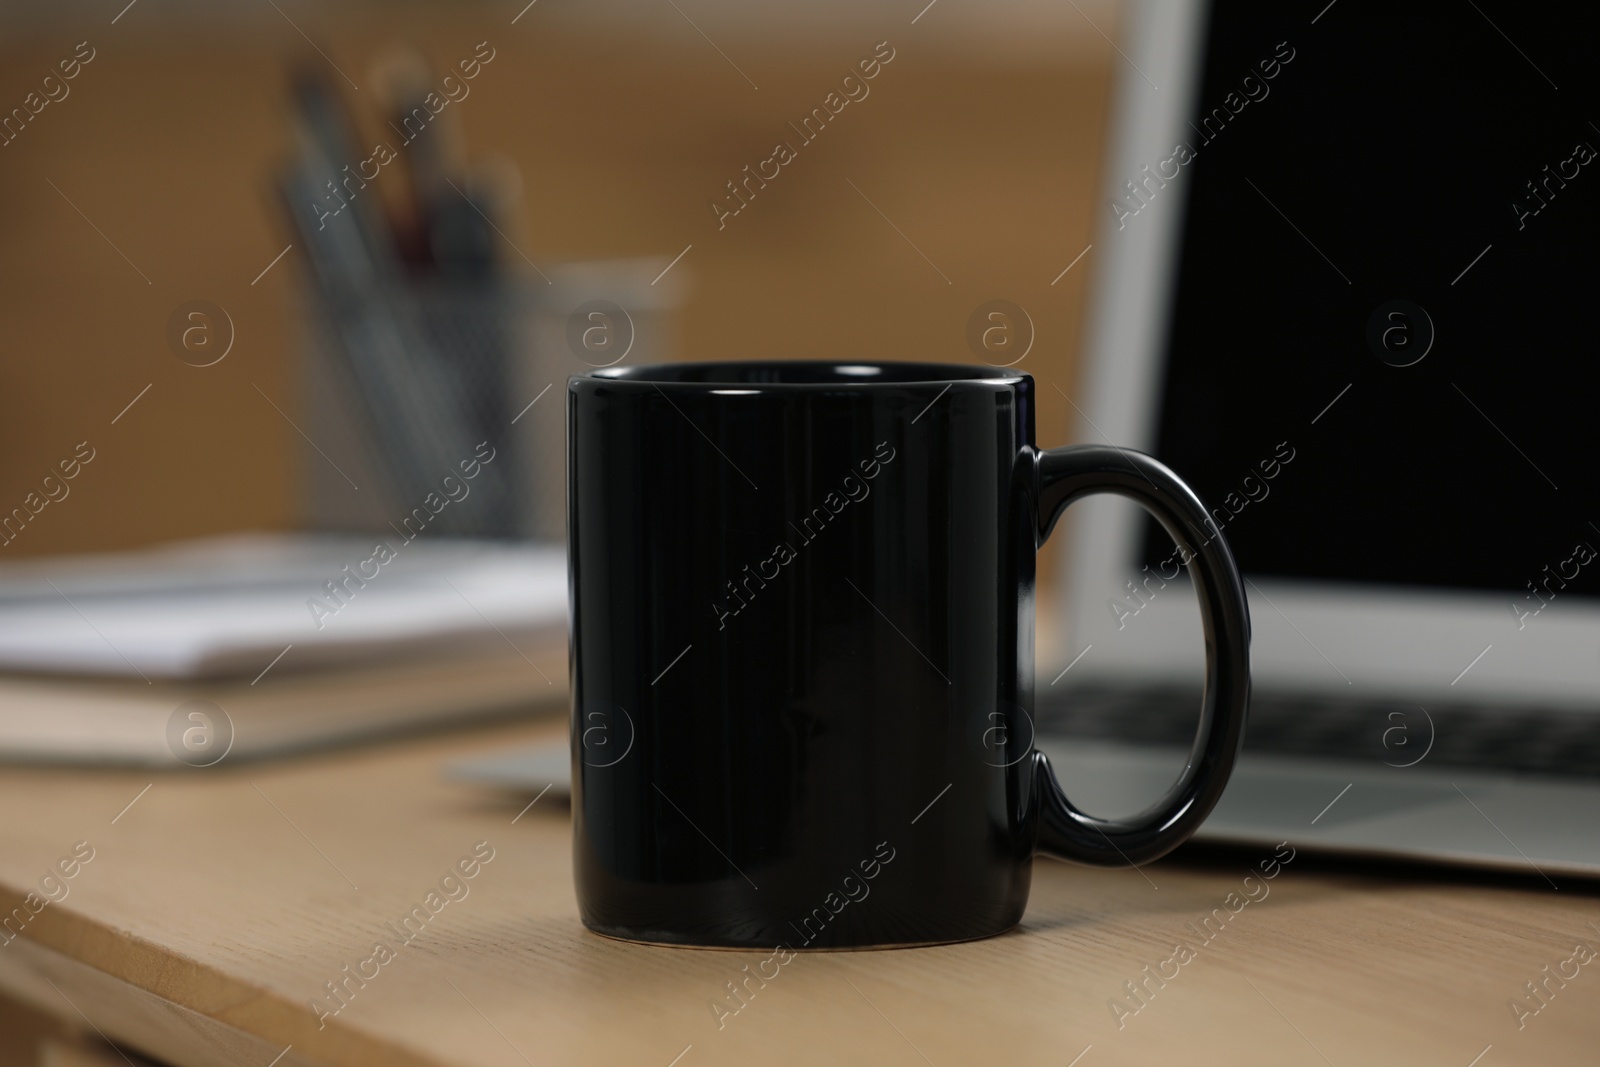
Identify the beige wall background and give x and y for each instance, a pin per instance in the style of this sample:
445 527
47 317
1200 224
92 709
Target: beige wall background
151 184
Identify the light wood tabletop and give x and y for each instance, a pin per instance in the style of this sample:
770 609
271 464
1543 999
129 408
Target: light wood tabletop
205 912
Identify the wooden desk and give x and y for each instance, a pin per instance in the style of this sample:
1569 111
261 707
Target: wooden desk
218 904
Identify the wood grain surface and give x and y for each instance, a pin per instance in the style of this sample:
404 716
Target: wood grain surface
217 906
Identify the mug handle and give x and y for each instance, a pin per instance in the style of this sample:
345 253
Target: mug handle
1062 476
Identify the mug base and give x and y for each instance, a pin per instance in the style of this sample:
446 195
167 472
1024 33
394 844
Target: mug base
686 941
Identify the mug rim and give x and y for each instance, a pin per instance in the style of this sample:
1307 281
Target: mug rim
755 376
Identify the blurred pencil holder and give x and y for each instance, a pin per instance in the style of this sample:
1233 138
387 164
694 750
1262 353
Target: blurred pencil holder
436 405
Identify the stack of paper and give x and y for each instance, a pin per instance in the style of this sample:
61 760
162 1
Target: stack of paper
298 641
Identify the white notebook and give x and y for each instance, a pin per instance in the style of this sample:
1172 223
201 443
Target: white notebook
108 659
234 605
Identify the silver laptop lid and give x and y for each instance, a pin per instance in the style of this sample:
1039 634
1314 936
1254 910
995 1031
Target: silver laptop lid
1344 274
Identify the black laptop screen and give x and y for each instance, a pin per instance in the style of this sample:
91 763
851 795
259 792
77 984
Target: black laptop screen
1382 361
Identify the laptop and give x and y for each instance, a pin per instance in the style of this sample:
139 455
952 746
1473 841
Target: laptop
1344 268
1346 275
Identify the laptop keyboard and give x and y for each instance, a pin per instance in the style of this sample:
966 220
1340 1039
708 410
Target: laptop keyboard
1510 738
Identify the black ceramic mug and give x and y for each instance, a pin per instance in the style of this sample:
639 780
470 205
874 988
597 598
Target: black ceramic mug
802 659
